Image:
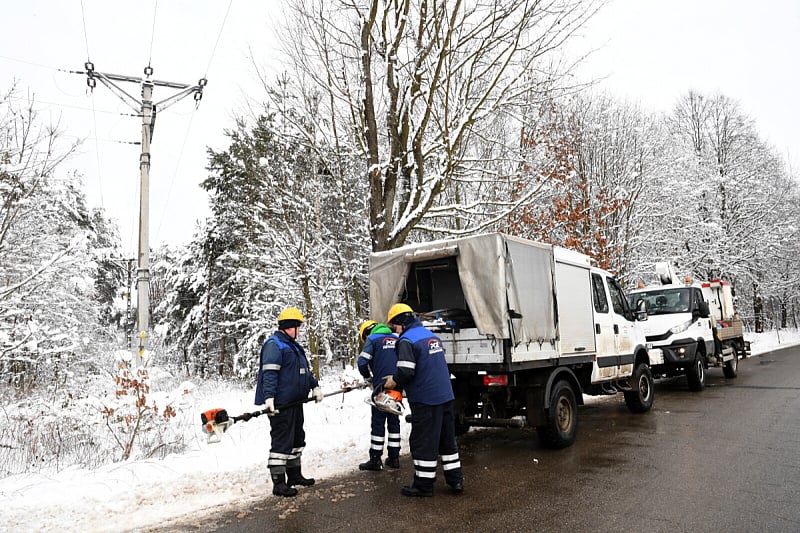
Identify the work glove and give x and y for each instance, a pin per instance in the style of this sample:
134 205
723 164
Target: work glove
389 383
368 381
270 404
317 394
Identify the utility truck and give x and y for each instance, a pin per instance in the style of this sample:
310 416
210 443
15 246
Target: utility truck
695 325
528 328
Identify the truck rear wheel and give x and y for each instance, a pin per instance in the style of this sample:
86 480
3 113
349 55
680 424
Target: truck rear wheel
731 368
462 400
696 374
640 398
561 419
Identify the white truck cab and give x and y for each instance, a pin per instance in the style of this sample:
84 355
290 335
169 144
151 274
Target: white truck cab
684 317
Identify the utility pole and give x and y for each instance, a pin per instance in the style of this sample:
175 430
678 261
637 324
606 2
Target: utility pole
147 110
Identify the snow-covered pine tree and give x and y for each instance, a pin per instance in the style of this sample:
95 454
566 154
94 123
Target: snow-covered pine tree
50 309
286 229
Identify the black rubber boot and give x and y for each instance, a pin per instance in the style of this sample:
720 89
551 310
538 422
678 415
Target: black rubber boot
413 490
374 464
280 488
393 462
296 478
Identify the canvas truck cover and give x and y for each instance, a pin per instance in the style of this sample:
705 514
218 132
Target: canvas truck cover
499 275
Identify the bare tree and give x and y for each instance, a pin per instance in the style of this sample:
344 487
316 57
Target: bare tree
616 152
731 189
29 152
414 81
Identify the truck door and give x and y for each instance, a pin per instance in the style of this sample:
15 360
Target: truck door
623 326
603 331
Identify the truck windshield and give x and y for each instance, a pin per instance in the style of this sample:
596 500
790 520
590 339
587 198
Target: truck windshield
663 301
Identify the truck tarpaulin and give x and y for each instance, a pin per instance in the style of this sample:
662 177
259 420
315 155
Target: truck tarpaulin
486 266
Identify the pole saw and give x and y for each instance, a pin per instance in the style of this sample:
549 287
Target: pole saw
217 421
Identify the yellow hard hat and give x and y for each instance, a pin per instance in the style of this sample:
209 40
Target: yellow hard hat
397 309
290 317
366 325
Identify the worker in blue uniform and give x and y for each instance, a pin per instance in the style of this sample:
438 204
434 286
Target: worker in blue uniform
377 360
423 375
285 379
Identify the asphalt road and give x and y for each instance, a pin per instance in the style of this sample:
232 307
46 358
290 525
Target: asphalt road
725 459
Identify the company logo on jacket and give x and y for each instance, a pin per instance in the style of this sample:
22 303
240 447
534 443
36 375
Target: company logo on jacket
388 343
434 346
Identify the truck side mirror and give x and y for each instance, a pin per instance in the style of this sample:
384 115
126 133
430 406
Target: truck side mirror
704 310
641 309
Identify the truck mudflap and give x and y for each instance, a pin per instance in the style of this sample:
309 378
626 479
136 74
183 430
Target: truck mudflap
727 353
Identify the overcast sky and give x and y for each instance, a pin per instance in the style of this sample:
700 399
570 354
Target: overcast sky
650 52
654 51
183 40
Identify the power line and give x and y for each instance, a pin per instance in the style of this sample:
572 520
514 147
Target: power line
191 118
85 33
152 34
59 104
133 227
94 114
219 35
97 154
26 62
175 173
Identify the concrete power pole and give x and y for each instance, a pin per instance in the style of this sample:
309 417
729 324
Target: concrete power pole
147 109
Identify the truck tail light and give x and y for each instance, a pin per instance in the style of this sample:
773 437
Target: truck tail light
500 380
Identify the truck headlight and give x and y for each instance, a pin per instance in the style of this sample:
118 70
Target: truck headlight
680 328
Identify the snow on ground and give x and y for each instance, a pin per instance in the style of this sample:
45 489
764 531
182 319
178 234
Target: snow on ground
139 494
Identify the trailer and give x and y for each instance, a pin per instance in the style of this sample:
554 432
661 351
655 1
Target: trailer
528 328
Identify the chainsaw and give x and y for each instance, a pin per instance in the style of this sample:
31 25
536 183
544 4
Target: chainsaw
217 421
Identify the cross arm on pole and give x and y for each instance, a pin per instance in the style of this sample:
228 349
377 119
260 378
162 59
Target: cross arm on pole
196 89
108 80
132 102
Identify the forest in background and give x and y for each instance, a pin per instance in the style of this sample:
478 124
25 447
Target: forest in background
393 122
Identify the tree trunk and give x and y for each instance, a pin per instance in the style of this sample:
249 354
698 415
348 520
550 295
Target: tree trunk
205 363
312 337
223 356
758 310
